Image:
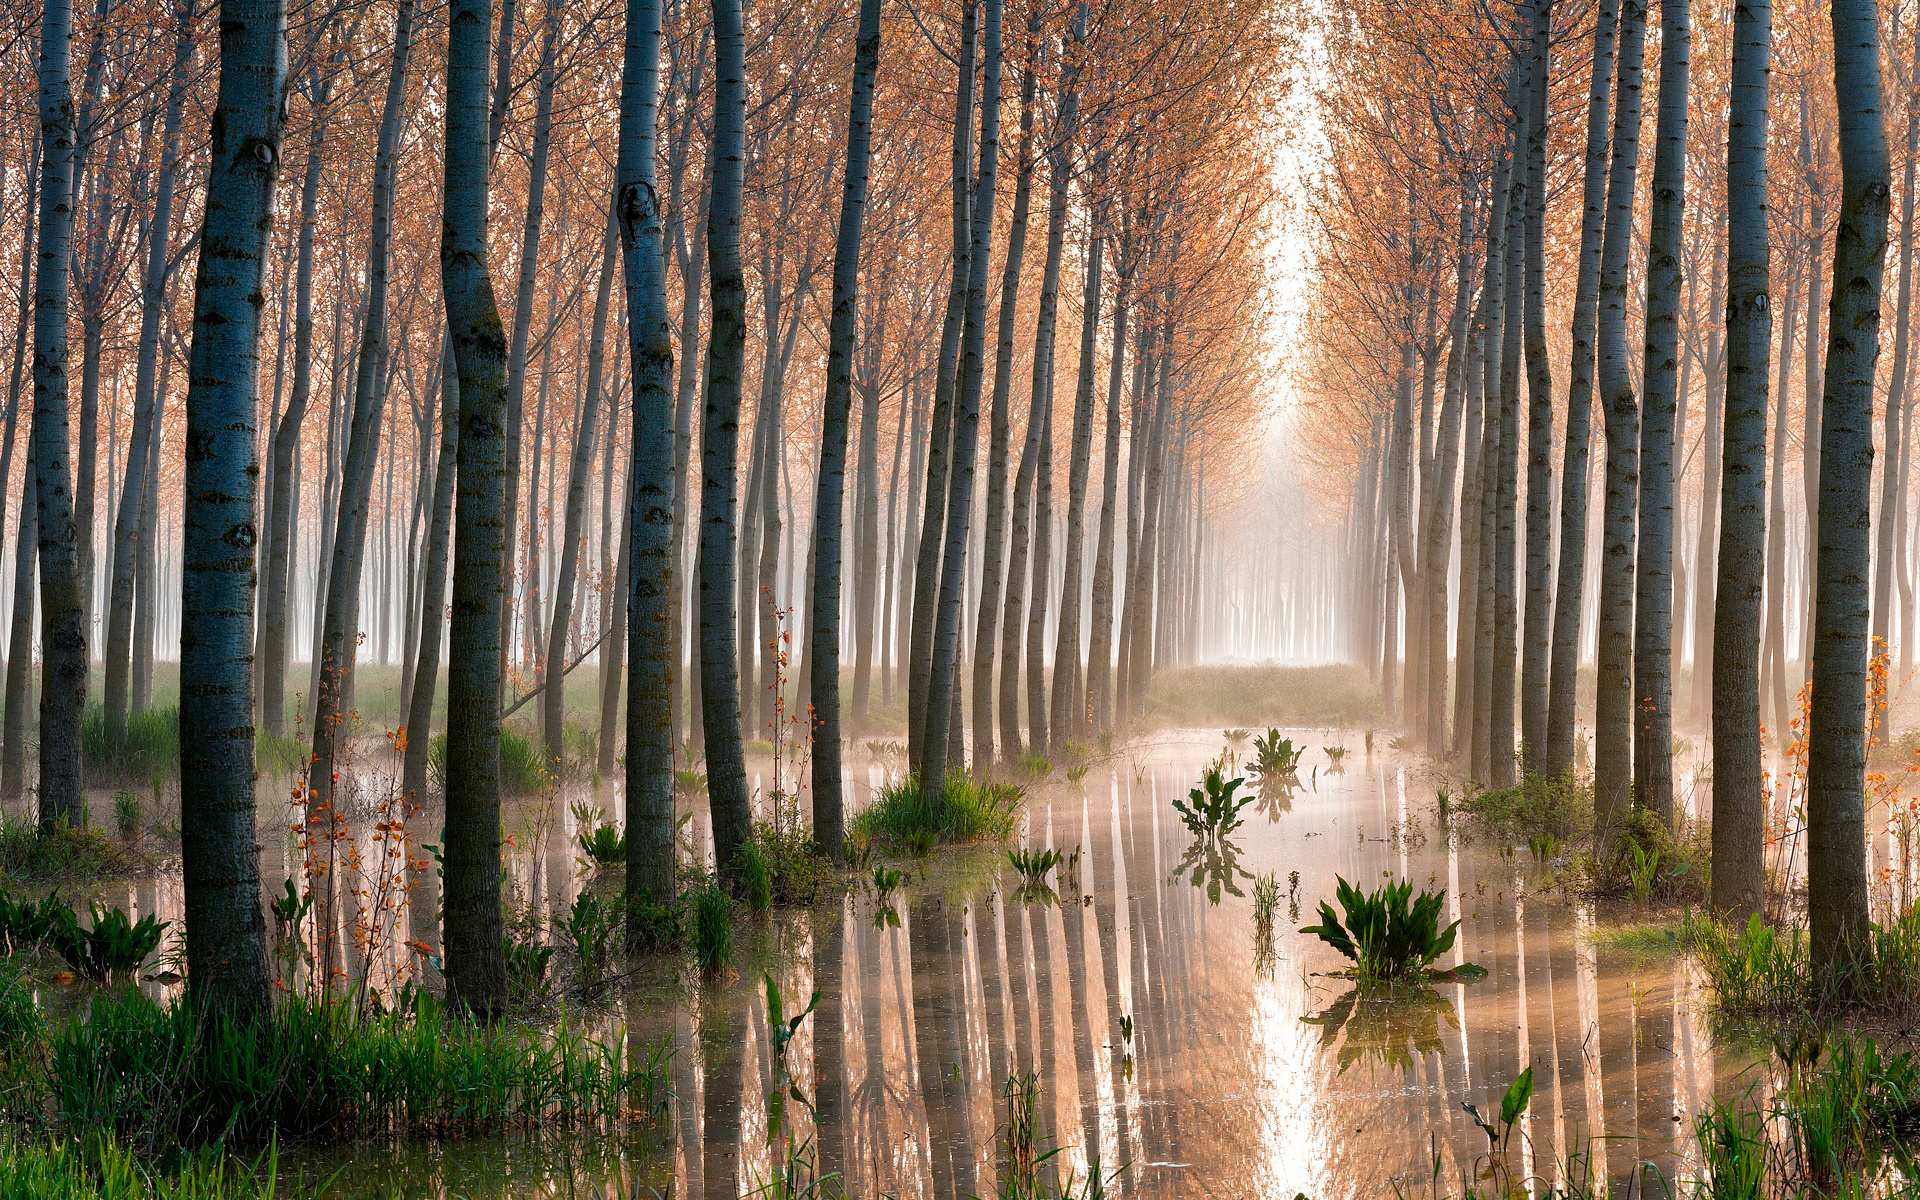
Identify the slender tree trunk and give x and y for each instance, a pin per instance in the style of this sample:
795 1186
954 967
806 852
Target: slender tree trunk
992 580
1706 551
1613 711
1739 786
13 756
719 449
830 491
1884 556
471 914
433 589
1504 647
1536 636
1837 750
553 703
126 527
282 530
943 675
1810 365
1069 699
63 693
652 579
1653 570
227 965
1100 637
1570 587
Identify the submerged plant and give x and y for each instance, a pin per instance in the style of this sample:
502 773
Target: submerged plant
598 839
592 928
712 928
1335 755
886 881
1389 935
1215 810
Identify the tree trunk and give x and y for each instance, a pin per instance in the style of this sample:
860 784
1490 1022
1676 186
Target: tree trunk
1100 637
1613 705
1653 570
719 449
1739 789
1706 549
943 677
823 643
1837 749
433 590
63 693
1069 699
1569 594
471 914
1884 559
992 580
1536 637
650 829
13 756
227 965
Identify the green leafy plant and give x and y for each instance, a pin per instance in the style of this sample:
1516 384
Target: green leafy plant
967 810
24 924
1033 865
886 881
115 946
1235 736
1275 755
1500 1129
1335 754
527 964
1389 935
1077 774
1214 810
592 928
1642 875
598 839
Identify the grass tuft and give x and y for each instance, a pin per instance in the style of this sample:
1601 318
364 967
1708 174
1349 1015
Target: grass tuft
968 810
151 745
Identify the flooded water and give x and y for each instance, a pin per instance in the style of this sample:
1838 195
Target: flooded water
1168 1042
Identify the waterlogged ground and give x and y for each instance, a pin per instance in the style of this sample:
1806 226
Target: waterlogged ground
1168 1042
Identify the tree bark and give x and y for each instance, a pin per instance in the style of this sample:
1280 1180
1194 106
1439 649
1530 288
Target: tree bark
471 914
227 965
829 818
1613 711
1653 570
1536 635
433 590
1837 750
1739 788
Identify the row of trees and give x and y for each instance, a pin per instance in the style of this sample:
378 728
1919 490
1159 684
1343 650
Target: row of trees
374 448
1505 277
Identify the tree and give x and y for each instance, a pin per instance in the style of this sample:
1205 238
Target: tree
1740 798
220 860
1653 569
830 491
651 860
63 620
1836 728
719 450
471 917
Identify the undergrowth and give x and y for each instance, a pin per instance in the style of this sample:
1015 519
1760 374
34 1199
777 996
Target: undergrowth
149 747
524 770
158 1077
65 852
968 810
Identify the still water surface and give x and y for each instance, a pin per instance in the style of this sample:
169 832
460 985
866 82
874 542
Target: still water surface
1248 1072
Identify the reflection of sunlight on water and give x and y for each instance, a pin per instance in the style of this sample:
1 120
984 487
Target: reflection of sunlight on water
1294 1141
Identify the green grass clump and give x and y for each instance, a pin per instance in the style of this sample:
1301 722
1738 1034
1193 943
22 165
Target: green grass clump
155 1077
968 810
151 745
1389 935
102 1169
64 853
523 764
713 928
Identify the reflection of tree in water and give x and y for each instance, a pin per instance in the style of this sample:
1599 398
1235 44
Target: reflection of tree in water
1385 1028
1213 862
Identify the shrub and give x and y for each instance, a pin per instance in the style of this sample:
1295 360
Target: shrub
780 863
527 964
968 810
593 928
1558 805
1388 934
